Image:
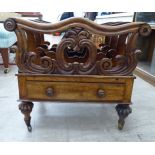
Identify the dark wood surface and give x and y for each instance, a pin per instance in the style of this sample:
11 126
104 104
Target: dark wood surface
91 63
5 58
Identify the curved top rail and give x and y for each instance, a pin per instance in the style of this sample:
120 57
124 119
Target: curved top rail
12 23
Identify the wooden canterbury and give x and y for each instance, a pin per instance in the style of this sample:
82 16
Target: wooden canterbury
91 63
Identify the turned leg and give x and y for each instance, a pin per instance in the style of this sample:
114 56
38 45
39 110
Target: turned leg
5 57
123 110
26 108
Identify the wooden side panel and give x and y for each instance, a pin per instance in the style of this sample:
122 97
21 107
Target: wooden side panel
31 41
22 87
128 90
121 44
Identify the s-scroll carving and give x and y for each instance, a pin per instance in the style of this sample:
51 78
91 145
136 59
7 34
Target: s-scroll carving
46 64
76 53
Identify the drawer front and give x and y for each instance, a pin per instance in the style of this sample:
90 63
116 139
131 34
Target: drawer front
39 90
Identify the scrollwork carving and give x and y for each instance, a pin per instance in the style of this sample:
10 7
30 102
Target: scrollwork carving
76 42
46 63
77 53
105 64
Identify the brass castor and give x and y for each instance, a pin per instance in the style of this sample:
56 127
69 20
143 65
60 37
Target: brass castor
123 111
6 70
120 124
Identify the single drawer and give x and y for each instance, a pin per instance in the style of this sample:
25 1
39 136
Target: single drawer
74 91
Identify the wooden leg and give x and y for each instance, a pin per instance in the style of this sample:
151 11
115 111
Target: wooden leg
5 57
123 111
26 108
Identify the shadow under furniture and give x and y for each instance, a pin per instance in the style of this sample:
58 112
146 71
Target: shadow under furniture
92 63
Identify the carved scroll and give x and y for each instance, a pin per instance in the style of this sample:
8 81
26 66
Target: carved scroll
77 53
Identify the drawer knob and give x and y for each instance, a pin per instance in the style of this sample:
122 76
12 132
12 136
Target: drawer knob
49 92
101 93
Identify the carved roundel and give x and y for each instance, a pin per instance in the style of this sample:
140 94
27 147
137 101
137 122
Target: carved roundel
10 24
145 30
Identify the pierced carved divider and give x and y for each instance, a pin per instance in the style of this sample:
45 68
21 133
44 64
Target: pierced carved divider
78 52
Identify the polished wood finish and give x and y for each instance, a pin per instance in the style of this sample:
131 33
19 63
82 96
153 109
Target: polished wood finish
72 88
79 68
5 58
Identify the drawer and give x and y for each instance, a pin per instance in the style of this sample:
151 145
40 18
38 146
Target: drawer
74 91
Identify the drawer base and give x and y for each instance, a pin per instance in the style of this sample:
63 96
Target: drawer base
75 88
103 89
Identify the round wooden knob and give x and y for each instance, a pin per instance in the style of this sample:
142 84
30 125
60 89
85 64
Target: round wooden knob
49 92
101 93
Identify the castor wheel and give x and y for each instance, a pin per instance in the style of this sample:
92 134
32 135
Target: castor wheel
121 124
29 128
123 111
6 70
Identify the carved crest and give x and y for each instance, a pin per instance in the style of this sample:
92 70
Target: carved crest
77 53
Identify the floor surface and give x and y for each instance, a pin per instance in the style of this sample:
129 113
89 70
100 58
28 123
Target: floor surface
75 122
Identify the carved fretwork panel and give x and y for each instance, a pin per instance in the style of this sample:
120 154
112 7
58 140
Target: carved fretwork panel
86 48
76 44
